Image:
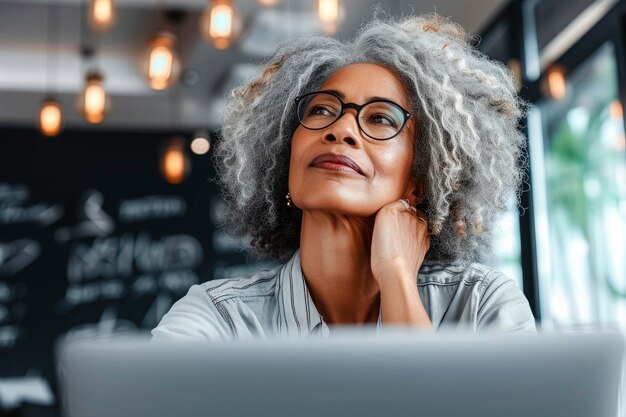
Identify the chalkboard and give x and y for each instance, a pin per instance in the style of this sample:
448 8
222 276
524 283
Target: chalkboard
94 240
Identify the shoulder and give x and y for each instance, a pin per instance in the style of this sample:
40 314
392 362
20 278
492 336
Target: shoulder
482 281
256 284
474 275
503 305
209 310
475 295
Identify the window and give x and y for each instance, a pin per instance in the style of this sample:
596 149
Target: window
579 188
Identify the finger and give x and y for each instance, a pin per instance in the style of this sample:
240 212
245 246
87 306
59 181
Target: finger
421 216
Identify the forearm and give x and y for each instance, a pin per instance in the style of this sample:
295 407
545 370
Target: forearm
401 304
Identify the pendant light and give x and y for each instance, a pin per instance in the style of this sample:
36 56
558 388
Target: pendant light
161 64
330 13
220 24
50 118
174 162
94 99
101 14
201 142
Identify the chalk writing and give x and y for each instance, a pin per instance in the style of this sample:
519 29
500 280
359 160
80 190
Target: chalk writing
42 214
12 308
174 282
177 282
219 211
145 284
9 336
152 207
13 193
88 293
17 255
122 255
13 211
96 221
6 292
223 242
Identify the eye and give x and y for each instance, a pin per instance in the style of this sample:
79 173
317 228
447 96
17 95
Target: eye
320 110
381 118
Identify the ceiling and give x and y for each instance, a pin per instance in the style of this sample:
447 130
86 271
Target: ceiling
35 62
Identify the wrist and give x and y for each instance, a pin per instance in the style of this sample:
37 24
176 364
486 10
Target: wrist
401 303
393 268
397 279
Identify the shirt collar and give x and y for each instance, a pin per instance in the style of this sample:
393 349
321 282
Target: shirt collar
297 315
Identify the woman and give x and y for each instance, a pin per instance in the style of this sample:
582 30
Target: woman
375 169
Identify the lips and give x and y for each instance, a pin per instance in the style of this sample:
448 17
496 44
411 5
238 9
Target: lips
337 159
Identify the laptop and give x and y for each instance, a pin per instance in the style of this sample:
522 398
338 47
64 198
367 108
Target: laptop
353 373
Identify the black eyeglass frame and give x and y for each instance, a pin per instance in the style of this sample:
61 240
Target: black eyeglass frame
354 106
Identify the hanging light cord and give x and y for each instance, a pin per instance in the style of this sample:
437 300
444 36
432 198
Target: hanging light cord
87 41
52 60
82 43
57 40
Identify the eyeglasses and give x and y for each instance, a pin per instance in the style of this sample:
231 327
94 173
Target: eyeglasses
379 119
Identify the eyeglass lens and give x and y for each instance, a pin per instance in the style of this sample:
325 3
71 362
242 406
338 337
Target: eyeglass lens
378 119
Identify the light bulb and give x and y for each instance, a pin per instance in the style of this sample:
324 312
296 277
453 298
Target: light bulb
221 21
101 14
556 82
174 163
200 144
162 63
329 13
94 99
50 118
220 24
328 10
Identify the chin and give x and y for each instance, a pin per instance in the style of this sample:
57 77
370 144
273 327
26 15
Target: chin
338 207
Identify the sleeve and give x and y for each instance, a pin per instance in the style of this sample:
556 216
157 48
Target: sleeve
503 306
193 317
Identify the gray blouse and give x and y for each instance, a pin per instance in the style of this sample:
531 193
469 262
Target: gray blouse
277 303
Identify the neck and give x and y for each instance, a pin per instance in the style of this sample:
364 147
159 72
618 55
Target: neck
335 259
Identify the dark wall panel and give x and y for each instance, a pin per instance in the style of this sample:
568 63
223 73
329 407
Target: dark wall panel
94 240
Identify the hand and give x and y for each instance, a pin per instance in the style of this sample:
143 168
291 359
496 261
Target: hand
399 242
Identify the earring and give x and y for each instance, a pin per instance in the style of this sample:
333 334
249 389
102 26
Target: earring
289 202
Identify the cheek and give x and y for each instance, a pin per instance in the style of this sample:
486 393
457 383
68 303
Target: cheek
394 163
295 159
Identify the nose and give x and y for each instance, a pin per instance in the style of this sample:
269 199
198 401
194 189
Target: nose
344 129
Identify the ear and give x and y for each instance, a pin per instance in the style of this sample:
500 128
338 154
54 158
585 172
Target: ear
415 193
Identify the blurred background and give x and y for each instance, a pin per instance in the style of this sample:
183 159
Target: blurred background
109 109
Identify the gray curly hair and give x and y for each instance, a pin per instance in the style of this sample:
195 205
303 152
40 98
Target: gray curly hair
469 152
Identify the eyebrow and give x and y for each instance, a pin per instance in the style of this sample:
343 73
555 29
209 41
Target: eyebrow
343 96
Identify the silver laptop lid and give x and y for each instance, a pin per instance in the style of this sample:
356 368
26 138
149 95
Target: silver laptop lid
395 374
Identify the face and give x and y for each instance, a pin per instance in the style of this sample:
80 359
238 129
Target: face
383 173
